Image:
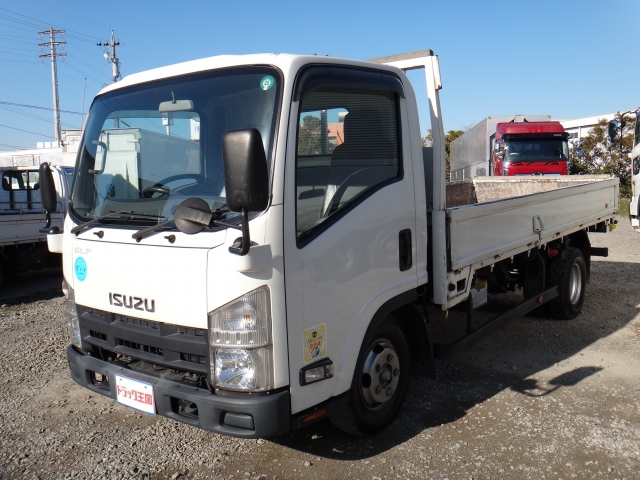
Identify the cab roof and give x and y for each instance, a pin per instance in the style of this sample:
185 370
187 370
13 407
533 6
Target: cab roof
284 61
529 127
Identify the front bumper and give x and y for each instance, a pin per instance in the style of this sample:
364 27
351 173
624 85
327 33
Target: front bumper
253 416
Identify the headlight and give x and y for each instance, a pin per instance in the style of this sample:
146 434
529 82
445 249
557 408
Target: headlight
243 369
240 343
73 323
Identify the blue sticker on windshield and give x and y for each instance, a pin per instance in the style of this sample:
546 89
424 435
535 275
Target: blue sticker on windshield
267 82
80 268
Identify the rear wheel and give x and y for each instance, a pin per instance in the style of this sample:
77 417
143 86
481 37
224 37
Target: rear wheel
570 275
380 381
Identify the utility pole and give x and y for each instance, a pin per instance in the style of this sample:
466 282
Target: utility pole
52 43
115 62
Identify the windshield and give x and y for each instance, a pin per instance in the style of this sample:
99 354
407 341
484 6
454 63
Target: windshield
149 147
535 149
68 176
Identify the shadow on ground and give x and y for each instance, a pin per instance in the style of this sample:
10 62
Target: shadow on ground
505 360
29 286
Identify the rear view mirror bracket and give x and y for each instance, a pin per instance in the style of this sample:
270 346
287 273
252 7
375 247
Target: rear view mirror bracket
242 244
104 157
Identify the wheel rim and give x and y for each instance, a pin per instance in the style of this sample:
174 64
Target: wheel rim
575 283
380 375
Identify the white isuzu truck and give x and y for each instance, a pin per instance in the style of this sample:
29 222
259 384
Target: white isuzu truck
253 242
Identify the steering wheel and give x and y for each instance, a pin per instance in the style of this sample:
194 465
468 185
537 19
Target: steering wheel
161 188
351 180
149 191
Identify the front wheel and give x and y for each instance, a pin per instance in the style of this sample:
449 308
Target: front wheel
570 274
380 381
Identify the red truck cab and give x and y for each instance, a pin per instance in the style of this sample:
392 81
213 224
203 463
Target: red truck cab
530 148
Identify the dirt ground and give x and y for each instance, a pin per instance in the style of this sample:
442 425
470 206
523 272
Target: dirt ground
538 399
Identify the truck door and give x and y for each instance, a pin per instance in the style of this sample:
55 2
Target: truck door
349 205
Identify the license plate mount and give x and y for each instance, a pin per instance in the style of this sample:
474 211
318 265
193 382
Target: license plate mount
135 394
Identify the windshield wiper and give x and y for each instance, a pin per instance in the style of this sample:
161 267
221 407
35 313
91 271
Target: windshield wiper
83 226
170 224
145 232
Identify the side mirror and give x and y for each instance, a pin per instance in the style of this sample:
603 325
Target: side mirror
48 196
246 179
246 176
500 154
612 132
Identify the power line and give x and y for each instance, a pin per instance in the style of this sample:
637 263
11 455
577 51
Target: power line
17 28
90 55
68 65
89 38
13 38
33 116
76 59
18 61
17 54
12 147
58 8
26 131
16 48
33 106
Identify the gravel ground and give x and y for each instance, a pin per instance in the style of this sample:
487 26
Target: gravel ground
539 399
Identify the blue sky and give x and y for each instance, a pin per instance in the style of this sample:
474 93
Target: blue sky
566 58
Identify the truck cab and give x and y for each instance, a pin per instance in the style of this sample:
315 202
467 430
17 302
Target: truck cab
530 148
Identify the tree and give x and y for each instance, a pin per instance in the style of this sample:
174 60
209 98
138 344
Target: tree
309 136
600 158
448 138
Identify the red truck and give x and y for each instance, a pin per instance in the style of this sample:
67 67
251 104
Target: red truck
511 145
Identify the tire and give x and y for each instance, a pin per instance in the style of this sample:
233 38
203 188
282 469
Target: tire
379 383
533 279
570 275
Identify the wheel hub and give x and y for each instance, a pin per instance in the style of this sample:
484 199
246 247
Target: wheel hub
380 374
575 284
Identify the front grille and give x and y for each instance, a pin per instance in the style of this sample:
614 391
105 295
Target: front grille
99 335
141 347
193 358
136 321
173 346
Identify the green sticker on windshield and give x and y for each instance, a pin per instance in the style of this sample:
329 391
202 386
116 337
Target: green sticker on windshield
267 82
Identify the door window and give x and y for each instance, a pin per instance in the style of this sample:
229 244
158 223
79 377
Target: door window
347 148
20 180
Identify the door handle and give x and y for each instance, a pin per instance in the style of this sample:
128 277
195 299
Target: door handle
404 250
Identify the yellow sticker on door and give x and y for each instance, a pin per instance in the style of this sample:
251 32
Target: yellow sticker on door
315 342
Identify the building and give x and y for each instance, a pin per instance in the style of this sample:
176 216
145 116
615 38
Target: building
63 154
578 128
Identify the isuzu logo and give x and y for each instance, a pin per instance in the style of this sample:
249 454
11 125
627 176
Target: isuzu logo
135 303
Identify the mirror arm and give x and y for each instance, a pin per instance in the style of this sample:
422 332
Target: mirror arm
48 229
104 157
47 226
242 248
